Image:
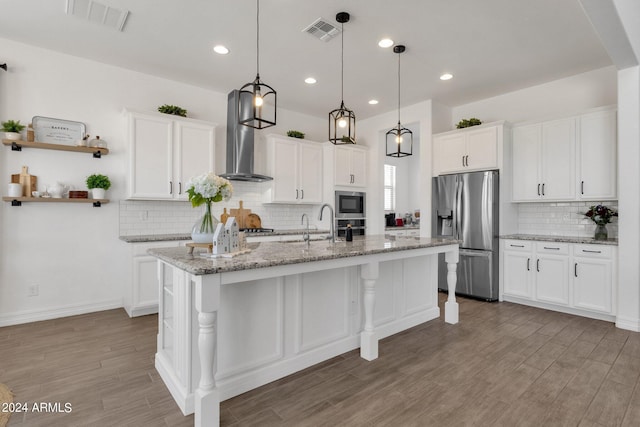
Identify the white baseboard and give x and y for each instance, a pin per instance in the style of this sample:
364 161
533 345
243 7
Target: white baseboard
561 309
29 316
628 323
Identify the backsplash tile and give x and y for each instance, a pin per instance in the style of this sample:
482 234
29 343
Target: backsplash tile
139 217
561 219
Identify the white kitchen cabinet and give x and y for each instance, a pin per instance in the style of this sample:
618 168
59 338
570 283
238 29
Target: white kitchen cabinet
597 157
350 166
141 297
164 152
552 272
544 161
570 277
465 150
296 168
593 278
517 274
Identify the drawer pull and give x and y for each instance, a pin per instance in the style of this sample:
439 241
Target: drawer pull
555 249
517 246
591 252
575 269
528 260
538 265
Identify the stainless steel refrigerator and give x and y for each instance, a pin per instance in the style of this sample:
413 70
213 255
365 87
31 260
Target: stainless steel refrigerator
465 206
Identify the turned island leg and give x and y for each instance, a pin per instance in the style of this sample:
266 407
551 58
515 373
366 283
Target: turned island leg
368 339
207 397
451 312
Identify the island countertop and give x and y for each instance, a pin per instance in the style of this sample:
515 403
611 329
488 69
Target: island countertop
143 238
270 254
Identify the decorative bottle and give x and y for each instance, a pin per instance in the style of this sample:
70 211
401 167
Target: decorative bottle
349 233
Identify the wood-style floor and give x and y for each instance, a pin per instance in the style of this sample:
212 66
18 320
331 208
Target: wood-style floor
502 365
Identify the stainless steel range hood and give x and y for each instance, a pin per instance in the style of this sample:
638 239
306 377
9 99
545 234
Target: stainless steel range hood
240 143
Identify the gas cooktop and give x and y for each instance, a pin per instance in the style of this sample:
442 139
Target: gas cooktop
257 230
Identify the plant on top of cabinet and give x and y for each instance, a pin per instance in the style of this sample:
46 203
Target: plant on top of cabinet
12 129
173 109
98 184
465 123
295 134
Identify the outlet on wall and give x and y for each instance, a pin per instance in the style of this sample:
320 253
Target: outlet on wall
33 291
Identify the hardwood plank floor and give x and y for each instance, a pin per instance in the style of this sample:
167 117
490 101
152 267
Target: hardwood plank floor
503 364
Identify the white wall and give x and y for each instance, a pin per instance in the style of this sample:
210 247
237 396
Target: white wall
72 252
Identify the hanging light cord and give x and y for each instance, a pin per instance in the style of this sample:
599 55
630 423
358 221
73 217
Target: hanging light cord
342 67
399 90
258 37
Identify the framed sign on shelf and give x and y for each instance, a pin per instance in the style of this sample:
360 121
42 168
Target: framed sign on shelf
57 131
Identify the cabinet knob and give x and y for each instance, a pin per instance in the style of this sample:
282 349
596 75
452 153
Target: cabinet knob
538 265
575 269
538 189
296 194
170 187
528 261
301 194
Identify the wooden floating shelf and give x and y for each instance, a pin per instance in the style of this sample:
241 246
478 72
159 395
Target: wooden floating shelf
19 144
17 201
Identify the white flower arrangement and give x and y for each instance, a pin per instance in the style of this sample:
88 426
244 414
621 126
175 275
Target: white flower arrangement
207 188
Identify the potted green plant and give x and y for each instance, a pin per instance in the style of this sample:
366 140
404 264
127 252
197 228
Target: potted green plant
295 134
98 184
173 109
464 123
12 129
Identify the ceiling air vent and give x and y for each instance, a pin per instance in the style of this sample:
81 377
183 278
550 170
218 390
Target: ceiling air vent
322 29
97 13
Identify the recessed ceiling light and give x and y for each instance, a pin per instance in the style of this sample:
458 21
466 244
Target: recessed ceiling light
385 43
310 80
446 76
222 50
373 101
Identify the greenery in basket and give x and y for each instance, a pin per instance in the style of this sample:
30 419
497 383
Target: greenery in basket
600 214
98 181
295 134
12 126
464 123
173 109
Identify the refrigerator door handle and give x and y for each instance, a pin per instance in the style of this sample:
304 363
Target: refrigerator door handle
487 209
458 211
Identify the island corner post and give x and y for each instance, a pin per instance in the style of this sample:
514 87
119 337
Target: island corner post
206 297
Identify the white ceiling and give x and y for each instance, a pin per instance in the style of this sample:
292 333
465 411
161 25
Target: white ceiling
491 46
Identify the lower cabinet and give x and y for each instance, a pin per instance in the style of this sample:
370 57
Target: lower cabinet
571 277
142 296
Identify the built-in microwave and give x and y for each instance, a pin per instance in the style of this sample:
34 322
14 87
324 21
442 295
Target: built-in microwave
350 204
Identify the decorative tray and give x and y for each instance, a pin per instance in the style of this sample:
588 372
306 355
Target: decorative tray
58 131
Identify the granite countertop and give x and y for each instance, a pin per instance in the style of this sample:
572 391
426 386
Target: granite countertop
561 239
270 254
168 237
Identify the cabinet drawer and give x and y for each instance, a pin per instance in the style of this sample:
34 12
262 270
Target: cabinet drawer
593 251
517 245
552 248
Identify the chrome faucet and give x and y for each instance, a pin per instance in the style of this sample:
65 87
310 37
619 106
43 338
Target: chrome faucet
332 236
306 236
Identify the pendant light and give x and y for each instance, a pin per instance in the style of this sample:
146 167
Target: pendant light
342 121
260 113
399 139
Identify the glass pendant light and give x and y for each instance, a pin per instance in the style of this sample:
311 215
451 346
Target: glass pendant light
399 139
260 113
342 121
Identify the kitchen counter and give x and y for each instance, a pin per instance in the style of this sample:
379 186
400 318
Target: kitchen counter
169 237
229 325
270 254
561 239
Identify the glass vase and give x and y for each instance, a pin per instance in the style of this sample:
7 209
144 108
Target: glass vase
601 232
205 226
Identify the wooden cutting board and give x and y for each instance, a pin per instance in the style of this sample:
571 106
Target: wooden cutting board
253 221
240 215
29 182
224 216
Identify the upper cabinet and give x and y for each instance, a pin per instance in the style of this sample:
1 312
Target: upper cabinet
164 152
296 168
544 161
597 156
466 150
564 160
350 165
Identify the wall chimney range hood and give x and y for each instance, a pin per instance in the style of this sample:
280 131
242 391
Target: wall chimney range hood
240 142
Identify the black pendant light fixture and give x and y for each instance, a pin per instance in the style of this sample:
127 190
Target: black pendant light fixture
399 139
342 121
260 113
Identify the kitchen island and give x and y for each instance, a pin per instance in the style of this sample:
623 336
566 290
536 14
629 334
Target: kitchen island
228 325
